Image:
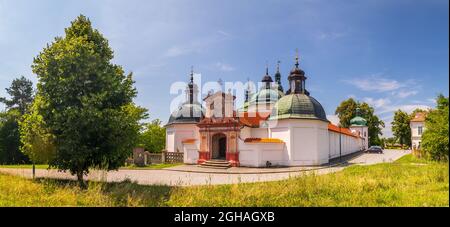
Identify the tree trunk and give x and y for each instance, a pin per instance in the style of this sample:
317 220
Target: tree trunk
81 182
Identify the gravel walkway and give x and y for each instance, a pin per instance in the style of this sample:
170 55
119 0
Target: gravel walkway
193 175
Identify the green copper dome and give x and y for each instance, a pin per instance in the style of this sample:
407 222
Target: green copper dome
298 106
187 113
266 95
358 121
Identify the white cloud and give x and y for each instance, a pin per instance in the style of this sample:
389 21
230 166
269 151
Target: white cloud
432 100
376 82
330 35
406 108
176 51
224 67
377 103
404 94
334 119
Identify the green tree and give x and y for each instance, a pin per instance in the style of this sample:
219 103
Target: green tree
10 138
418 111
435 137
36 138
401 128
21 92
347 110
153 137
88 100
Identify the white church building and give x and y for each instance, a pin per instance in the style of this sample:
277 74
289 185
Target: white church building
272 128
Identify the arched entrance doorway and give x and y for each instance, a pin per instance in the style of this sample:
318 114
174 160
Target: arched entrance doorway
219 146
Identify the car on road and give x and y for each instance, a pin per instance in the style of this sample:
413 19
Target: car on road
375 149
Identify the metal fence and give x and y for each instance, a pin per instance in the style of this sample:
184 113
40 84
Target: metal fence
155 158
173 157
141 157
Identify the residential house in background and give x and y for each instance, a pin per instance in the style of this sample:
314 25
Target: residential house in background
417 125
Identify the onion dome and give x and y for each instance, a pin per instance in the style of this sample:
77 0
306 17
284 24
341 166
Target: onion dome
358 120
191 111
187 113
266 95
267 78
298 106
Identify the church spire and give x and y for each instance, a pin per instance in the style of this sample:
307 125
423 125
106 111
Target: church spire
278 77
192 75
247 90
267 79
192 89
297 79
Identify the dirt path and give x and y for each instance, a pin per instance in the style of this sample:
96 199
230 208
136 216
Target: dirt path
188 178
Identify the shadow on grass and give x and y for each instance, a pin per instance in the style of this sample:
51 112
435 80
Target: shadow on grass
125 193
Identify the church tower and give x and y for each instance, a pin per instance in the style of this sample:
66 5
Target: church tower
359 125
278 78
297 80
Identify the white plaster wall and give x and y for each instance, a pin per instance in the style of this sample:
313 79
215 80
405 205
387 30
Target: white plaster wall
257 154
190 151
176 133
349 144
306 141
363 132
259 133
245 133
170 139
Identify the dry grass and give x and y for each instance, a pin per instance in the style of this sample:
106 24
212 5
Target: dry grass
407 182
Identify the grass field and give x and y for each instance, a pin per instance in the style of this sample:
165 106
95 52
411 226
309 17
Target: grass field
407 182
27 166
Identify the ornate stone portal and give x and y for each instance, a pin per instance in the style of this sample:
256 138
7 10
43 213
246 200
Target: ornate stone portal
219 129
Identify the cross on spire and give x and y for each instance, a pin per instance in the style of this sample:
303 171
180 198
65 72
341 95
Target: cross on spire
267 68
192 74
296 58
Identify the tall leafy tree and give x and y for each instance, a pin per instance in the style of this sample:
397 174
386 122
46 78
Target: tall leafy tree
347 110
88 100
401 128
435 136
21 92
153 137
10 138
21 95
37 140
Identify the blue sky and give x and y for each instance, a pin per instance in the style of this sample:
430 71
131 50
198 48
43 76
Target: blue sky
391 54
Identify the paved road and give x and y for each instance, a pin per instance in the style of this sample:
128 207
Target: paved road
180 178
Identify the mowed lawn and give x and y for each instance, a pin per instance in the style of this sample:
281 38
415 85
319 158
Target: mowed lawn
407 182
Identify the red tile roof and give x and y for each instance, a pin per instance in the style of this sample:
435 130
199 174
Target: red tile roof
253 119
420 117
345 131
